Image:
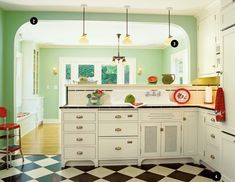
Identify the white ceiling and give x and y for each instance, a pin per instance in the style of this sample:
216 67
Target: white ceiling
182 7
100 33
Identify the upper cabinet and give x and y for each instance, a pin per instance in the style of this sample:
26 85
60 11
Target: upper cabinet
209 41
225 3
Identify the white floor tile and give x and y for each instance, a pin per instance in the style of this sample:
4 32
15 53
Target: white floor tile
161 170
46 162
33 180
190 169
100 172
201 179
101 180
67 180
135 180
131 171
19 162
37 173
167 179
9 172
69 172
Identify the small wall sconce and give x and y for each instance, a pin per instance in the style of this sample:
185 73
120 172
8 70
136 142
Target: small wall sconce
54 71
139 70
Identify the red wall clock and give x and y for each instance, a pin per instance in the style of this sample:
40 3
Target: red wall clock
182 96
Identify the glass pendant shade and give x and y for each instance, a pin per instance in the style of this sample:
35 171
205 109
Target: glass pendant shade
168 40
83 39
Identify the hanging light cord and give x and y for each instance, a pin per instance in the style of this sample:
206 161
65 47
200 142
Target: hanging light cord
127 34
169 21
83 20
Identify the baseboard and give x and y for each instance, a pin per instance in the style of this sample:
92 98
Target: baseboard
50 120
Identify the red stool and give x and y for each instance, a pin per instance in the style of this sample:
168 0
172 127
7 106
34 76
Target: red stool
9 148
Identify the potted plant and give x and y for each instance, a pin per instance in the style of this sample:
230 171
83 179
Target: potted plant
94 97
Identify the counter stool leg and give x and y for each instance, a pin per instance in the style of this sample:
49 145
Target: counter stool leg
21 153
7 146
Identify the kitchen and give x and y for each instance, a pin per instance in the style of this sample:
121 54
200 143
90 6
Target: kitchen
210 144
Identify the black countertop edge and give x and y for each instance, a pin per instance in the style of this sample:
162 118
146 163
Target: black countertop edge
110 107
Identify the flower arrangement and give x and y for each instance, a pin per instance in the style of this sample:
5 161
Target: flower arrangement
94 97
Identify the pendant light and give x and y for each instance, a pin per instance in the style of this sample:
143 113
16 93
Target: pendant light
127 38
83 39
119 58
169 38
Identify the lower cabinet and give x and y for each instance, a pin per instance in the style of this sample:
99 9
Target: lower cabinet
160 139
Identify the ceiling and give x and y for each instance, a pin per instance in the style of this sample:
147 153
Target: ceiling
100 33
181 7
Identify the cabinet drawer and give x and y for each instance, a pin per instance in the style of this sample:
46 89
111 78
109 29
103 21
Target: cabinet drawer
72 127
77 139
116 148
79 153
78 116
118 116
119 129
160 115
213 135
212 156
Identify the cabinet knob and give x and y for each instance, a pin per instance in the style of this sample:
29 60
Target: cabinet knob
79 153
118 116
79 127
212 156
118 129
212 136
129 142
213 66
118 148
79 139
162 129
233 141
129 115
79 116
184 118
213 119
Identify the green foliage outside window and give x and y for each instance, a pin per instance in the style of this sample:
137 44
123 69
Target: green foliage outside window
127 74
68 71
109 74
86 70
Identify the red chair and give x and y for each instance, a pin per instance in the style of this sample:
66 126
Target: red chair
9 133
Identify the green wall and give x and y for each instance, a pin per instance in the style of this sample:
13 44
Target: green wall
14 19
149 59
1 57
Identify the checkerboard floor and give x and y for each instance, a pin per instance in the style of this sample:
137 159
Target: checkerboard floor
44 168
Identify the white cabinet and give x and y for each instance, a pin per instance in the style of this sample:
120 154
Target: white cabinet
79 135
201 135
190 126
160 133
150 139
228 157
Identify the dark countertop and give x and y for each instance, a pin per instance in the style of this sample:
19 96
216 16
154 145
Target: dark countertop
203 106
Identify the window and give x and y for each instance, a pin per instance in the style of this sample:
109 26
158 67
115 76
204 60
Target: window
68 71
127 74
86 70
109 74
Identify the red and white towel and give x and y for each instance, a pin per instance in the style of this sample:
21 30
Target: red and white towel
220 105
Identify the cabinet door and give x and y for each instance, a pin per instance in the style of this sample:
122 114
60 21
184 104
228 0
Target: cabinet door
171 135
201 135
207 31
190 133
228 157
150 139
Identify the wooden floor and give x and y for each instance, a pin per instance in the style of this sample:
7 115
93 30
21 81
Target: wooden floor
43 140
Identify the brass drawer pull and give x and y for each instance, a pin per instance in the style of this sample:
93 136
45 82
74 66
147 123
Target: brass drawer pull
118 148
79 139
118 129
129 142
184 118
213 119
118 116
129 115
212 136
162 129
79 127
79 153
212 156
79 117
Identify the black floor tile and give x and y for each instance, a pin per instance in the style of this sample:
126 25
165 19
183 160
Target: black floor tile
36 157
117 177
85 177
18 178
145 166
54 167
115 168
51 178
85 168
182 176
57 157
150 177
172 165
196 165
28 167
206 173
13 157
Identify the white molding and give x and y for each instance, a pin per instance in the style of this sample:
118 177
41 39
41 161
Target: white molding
51 120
